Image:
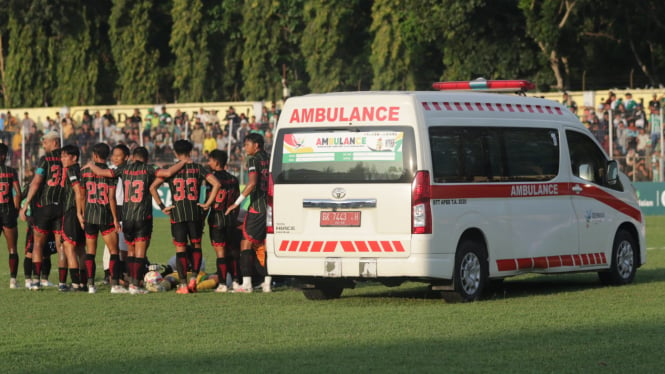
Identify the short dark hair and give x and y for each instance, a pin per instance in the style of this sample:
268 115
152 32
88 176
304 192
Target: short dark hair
182 147
123 148
71 150
220 156
141 152
3 150
255 138
102 150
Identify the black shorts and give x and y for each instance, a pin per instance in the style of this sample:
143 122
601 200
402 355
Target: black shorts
91 230
8 220
183 230
71 228
220 235
254 228
48 218
137 231
29 242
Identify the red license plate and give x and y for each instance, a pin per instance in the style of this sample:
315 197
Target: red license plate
342 219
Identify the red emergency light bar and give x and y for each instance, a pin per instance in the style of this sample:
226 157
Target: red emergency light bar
485 85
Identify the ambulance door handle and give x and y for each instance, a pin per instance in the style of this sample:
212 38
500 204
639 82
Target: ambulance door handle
341 204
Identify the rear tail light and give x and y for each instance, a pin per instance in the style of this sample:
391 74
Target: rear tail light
269 223
421 211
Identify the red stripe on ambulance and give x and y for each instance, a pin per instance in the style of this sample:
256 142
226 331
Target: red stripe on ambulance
348 246
512 264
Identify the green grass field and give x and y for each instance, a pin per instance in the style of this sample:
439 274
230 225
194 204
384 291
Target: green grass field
558 324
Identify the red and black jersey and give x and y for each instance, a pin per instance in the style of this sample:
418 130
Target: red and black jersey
136 180
226 196
258 164
72 180
8 179
97 192
50 167
185 186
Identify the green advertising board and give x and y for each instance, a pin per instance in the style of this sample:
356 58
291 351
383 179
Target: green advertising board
652 198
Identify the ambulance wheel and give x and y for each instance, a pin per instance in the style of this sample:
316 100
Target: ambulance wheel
323 292
471 270
624 259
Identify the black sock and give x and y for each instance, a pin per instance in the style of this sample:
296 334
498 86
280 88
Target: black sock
27 267
62 275
13 264
181 265
246 262
221 270
129 263
74 274
46 267
141 267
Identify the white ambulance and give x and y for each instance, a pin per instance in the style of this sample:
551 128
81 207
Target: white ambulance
454 188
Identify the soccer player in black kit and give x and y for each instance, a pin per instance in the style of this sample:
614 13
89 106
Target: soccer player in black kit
254 227
222 226
186 213
100 215
46 187
137 177
73 236
9 206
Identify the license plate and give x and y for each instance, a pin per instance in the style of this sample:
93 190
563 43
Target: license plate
340 219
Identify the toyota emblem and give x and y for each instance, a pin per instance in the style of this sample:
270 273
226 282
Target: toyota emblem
338 193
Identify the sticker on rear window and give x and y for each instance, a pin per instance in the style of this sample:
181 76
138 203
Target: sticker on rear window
343 146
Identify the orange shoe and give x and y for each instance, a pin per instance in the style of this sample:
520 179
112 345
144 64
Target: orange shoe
192 285
182 289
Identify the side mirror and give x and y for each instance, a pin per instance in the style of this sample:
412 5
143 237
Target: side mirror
585 171
612 172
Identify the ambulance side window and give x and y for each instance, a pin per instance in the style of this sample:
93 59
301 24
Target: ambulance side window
587 160
493 154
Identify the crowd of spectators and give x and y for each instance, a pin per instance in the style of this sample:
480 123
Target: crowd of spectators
156 130
636 129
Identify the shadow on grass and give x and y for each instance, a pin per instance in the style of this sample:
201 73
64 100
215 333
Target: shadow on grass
521 286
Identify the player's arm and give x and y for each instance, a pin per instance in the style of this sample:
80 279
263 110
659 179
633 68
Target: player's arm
79 193
32 191
155 195
108 173
249 187
212 180
114 208
17 195
167 173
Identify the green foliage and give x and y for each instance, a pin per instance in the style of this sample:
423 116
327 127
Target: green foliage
189 43
134 57
225 46
334 45
391 58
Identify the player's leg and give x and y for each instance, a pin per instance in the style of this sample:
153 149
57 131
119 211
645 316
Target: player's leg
62 262
142 237
27 259
110 238
219 244
179 234
11 234
91 232
195 231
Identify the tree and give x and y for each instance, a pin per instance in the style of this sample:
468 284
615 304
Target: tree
272 32
136 60
552 25
225 45
482 38
335 44
190 46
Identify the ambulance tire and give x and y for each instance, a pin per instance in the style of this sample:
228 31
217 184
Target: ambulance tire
624 260
471 270
325 291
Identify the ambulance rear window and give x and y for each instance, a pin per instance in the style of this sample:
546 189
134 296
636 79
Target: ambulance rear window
364 154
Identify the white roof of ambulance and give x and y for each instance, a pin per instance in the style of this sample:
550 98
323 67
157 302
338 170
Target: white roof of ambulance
438 106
